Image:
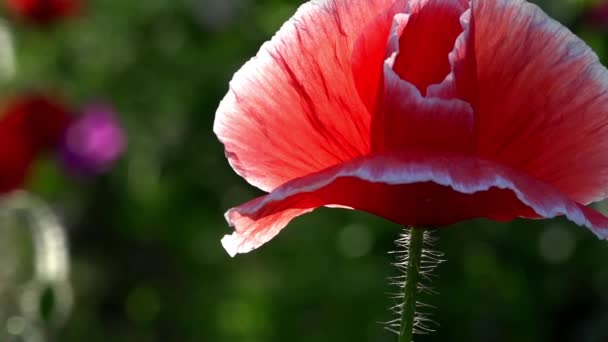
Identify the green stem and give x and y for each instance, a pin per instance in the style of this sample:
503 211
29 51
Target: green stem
410 290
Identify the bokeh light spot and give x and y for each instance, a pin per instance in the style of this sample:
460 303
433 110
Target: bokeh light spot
15 325
556 244
8 64
242 318
354 241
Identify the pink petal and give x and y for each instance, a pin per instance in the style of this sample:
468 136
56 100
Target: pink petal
461 82
407 119
294 108
426 41
415 187
543 98
370 52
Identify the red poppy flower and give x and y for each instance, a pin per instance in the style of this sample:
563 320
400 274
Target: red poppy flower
29 125
424 112
42 12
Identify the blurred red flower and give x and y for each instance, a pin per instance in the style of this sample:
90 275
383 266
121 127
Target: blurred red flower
42 12
87 143
29 125
424 112
597 15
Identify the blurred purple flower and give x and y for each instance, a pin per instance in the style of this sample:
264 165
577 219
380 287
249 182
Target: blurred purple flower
93 141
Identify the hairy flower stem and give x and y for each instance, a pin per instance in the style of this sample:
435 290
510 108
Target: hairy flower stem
410 290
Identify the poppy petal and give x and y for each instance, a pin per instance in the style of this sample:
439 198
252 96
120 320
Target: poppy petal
432 189
426 41
407 119
543 98
370 52
410 120
461 82
294 109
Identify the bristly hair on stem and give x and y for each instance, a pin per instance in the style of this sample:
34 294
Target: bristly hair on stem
416 260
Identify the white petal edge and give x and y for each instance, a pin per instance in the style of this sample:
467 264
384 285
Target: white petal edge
407 173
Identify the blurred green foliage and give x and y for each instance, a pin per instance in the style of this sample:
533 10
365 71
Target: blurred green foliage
147 262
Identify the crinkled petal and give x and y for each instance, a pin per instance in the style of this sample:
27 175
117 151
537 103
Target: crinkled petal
410 120
407 119
426 41
295 108
370 52
543 98
461 82
417 187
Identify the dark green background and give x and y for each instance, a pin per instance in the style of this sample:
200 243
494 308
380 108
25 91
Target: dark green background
146 259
